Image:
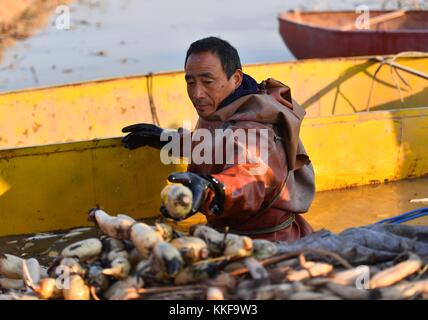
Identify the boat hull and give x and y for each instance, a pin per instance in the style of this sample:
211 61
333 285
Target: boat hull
316 41
52 187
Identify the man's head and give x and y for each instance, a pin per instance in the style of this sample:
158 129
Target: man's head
213 72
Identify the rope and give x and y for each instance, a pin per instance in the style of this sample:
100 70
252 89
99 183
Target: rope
155 118
392 63
411 215
395 67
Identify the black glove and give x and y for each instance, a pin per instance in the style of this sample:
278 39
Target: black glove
198 184
143 134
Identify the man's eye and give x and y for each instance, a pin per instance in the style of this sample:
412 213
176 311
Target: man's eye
208 81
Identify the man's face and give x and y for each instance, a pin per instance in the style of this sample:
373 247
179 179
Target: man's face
207 83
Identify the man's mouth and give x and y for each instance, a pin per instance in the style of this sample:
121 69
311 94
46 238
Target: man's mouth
202 105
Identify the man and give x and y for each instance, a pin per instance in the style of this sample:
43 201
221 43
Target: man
267 205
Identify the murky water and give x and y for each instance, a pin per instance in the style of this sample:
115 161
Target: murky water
333 210
341 209
111 38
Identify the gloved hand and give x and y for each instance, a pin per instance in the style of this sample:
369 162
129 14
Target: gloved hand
143 134
199 185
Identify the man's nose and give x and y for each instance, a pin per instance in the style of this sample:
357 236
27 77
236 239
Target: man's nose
198 92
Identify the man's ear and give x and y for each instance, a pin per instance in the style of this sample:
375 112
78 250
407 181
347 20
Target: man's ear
237 78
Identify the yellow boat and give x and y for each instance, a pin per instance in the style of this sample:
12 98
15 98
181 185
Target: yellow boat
367 122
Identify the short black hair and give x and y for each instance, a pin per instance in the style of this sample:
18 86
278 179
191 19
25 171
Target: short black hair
228 55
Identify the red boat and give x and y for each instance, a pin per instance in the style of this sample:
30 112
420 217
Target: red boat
334 33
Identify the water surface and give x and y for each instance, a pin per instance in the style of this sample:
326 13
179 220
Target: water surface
112 38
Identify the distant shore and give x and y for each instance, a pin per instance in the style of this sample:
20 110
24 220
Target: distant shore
19 19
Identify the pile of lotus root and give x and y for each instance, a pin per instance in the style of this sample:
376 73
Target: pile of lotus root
134 260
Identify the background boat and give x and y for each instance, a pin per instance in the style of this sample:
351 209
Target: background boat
325 34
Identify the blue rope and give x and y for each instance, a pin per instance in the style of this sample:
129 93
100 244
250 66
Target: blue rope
414 214
423 213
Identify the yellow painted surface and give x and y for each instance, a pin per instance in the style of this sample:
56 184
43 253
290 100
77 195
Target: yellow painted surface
4 186
89 110
52 187
100 109
366 148
344 85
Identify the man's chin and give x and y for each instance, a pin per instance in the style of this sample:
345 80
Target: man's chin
205 113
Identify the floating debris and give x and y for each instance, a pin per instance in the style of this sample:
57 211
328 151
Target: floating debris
76 232
419 200
41 236
101 53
